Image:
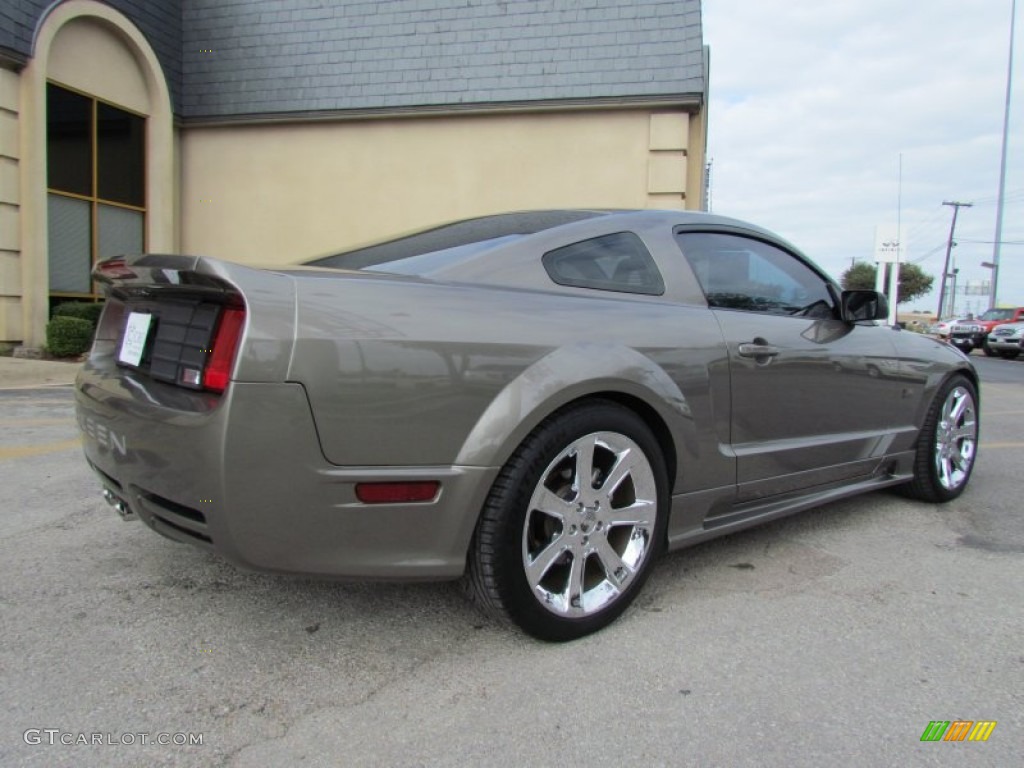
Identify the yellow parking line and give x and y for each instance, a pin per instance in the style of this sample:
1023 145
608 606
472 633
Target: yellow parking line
21 451
62 403
36 422
1003 386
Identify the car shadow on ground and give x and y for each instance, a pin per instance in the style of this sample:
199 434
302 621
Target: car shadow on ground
255 608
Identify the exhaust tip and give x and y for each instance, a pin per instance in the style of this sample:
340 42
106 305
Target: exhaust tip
119 505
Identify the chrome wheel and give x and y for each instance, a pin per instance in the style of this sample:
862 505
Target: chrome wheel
573 524
589 525
947 444
956 438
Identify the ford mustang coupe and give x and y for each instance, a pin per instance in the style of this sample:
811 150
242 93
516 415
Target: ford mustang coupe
538 403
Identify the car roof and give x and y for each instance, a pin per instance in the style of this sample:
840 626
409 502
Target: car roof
497 227
452 234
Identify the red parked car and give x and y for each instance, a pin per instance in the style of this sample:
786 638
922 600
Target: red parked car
973 335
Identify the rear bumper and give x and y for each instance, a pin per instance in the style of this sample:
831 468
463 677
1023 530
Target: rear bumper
243 475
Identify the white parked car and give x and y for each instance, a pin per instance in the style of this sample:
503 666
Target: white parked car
1007 340
943 327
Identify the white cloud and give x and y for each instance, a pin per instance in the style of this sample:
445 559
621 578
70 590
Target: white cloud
813 103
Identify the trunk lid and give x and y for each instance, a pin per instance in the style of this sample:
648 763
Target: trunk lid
193 322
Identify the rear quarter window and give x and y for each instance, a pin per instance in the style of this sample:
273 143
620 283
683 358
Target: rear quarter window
618 262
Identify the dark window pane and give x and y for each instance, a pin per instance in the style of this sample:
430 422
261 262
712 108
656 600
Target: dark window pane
70 233
618 262
120 141
68 144
120 231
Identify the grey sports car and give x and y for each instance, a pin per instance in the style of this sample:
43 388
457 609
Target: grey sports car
538 403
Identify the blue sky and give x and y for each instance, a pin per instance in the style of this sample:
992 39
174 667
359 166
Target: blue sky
812 104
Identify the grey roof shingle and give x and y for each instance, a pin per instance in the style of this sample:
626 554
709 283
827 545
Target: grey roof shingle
267 57
227 58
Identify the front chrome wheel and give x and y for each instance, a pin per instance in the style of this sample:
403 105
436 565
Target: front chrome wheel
956 438
589 524
947 444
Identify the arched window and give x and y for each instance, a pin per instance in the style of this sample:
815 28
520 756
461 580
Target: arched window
96 119
96 199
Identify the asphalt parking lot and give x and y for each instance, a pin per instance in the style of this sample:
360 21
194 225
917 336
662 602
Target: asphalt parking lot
830 638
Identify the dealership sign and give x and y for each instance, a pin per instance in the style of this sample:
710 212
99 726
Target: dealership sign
890 243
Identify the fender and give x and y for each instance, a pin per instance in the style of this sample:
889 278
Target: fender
565 375
930 363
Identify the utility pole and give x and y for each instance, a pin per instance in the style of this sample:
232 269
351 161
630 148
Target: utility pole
949 249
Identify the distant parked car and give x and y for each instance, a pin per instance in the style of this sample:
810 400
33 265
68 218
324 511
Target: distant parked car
973 334
943 328
1007 340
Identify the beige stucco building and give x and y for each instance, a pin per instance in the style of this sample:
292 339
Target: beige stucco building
217 128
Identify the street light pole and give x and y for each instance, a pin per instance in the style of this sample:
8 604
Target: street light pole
1002 164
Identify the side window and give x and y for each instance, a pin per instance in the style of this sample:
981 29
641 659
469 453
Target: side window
618 262
746 274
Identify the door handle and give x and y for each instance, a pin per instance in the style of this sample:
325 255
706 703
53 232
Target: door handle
758 349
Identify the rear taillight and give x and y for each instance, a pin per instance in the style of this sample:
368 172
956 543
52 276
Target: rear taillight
222 354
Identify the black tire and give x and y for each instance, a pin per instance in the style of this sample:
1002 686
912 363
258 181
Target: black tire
964 347
947 444
554 557
1010 354
989 352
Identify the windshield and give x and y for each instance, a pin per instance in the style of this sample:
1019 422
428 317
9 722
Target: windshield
997 314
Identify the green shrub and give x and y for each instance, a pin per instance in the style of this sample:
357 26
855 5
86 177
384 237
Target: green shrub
68 336
86 310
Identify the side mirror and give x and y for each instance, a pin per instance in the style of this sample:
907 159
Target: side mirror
863 305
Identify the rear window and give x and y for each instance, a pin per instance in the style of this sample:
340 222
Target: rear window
426 263
422 252
618 262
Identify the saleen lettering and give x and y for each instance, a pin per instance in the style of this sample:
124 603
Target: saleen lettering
104 436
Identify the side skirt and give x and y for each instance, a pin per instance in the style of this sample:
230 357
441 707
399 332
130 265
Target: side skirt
705 515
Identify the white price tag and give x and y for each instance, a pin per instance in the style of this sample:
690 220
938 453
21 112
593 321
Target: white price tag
135 333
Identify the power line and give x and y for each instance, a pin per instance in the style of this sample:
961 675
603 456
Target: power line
928 255
924 224
1013 194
